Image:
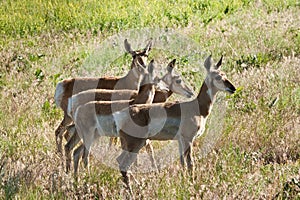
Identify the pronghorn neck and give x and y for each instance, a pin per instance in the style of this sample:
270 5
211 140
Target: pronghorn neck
169 93
146 94
131 81
206 98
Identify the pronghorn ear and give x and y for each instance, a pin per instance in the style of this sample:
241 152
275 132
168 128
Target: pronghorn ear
140 65
218 65
171 66
128 47
151 67
148 47
208 63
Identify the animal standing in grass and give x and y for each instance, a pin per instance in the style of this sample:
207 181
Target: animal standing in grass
69 87
170 121
95 118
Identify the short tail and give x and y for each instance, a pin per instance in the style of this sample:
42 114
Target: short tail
59 93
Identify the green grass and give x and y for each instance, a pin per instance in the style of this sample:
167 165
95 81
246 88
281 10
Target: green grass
34 17
257 154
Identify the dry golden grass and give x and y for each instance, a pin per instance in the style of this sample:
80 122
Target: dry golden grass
255 157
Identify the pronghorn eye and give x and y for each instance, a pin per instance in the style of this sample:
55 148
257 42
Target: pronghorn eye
218 77
178 81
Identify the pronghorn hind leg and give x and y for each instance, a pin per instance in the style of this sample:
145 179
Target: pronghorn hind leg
75 139
88 141
70 130
77 154
85 158
59 132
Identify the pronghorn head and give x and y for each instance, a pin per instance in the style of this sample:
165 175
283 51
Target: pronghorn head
149 77
141 55
174 81
140 69
216 80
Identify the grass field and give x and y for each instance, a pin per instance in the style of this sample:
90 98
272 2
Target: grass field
257 153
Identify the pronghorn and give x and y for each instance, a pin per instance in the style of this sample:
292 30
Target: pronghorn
171 82
69 87
95 119
145 95
169 121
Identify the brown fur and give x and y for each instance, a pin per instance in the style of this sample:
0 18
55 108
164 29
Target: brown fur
69 87
101 108
189 117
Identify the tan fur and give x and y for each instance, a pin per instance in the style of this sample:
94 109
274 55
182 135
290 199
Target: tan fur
169 121
86 118
69 87
87 114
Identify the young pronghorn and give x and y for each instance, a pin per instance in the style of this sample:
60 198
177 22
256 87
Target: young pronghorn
95 119
171 81
69 87
169 121
145 95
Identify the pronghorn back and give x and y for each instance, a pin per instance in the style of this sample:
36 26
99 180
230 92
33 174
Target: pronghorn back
98 95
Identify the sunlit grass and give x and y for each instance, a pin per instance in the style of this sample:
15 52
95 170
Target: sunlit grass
257 154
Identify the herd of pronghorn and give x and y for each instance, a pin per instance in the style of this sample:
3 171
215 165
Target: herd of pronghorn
134 108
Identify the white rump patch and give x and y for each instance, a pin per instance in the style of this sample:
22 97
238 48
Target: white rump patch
59 91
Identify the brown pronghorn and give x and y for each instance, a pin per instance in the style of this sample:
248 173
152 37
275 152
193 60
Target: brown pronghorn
171 82
169 121
95 118
69 87
145 95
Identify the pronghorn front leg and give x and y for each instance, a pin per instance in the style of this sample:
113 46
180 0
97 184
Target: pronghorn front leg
150 151
181 149
131 146
188 145
125 160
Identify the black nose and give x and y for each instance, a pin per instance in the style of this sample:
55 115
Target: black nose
232 89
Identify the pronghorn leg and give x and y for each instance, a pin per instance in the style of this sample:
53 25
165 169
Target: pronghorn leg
76 156
59 132
88 140
131 147
150 151
85 158
125 160
189 157
70 130
181 150
75 139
